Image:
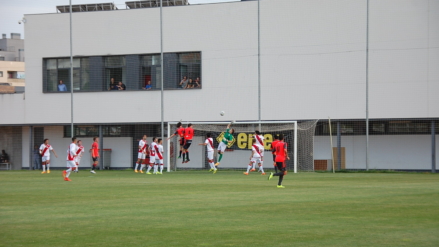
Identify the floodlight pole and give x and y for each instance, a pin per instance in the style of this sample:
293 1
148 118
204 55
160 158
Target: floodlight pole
71 74
433 147
259 65
161 69
367 87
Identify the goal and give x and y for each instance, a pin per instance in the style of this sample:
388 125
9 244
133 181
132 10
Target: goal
299 137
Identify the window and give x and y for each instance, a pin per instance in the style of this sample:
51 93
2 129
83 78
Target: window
136 72
92 131
1 73
150 72
115 71
189 66
58 70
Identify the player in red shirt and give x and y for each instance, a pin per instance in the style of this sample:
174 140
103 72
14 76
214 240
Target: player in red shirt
180 132
95 153
273 150
188 135
281 157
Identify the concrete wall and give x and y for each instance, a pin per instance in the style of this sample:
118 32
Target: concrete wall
312 56
408 152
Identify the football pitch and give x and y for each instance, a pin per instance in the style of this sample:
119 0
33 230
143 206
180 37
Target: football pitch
198 208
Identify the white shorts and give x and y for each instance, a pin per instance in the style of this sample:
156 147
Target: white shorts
71 164
45 158
256 160
152 159
158 161
261 149
78 160
222 147
210 155
141 156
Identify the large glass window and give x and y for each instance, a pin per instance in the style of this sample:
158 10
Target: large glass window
123 72
189 70
150 72
115 71
58 72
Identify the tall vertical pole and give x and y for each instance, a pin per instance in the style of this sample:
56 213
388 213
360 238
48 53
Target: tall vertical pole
259 65
162 70
101 148
71 75
433 147
31 149
338 146
367 87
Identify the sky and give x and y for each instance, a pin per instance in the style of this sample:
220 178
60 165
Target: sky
11 11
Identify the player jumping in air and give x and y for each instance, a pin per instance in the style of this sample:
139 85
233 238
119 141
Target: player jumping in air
227 139
94 154
180 133
79 153
210 150
159 157
188 135
45 149
152 155
71 156
260 143
255 158
281 157
273 150
141 153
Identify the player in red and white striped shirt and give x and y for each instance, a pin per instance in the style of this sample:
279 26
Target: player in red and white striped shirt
158 157
152 156
79 153
210 151
71 155
255 158
141 154
45 149
260 143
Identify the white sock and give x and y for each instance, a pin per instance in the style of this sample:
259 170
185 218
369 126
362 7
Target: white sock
155 168
68 172
77 168
260 166
137 165
149 168
161 168
48 167
142 167
261 169
44 168
249 167
212 165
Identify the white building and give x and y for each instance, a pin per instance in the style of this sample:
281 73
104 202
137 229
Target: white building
312 66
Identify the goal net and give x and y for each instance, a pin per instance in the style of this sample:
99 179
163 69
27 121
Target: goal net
299 137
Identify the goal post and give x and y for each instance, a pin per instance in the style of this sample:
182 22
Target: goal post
236 155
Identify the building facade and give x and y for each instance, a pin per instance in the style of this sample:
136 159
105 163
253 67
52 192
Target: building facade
313 65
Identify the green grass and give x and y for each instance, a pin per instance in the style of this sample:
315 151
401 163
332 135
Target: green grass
195 208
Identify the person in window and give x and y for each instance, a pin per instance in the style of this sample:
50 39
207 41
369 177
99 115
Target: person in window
113 85
148 86
4 158
62 87
184 82
191 84
121 86
198 82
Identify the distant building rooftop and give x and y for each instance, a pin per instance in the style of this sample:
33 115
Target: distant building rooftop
86 7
